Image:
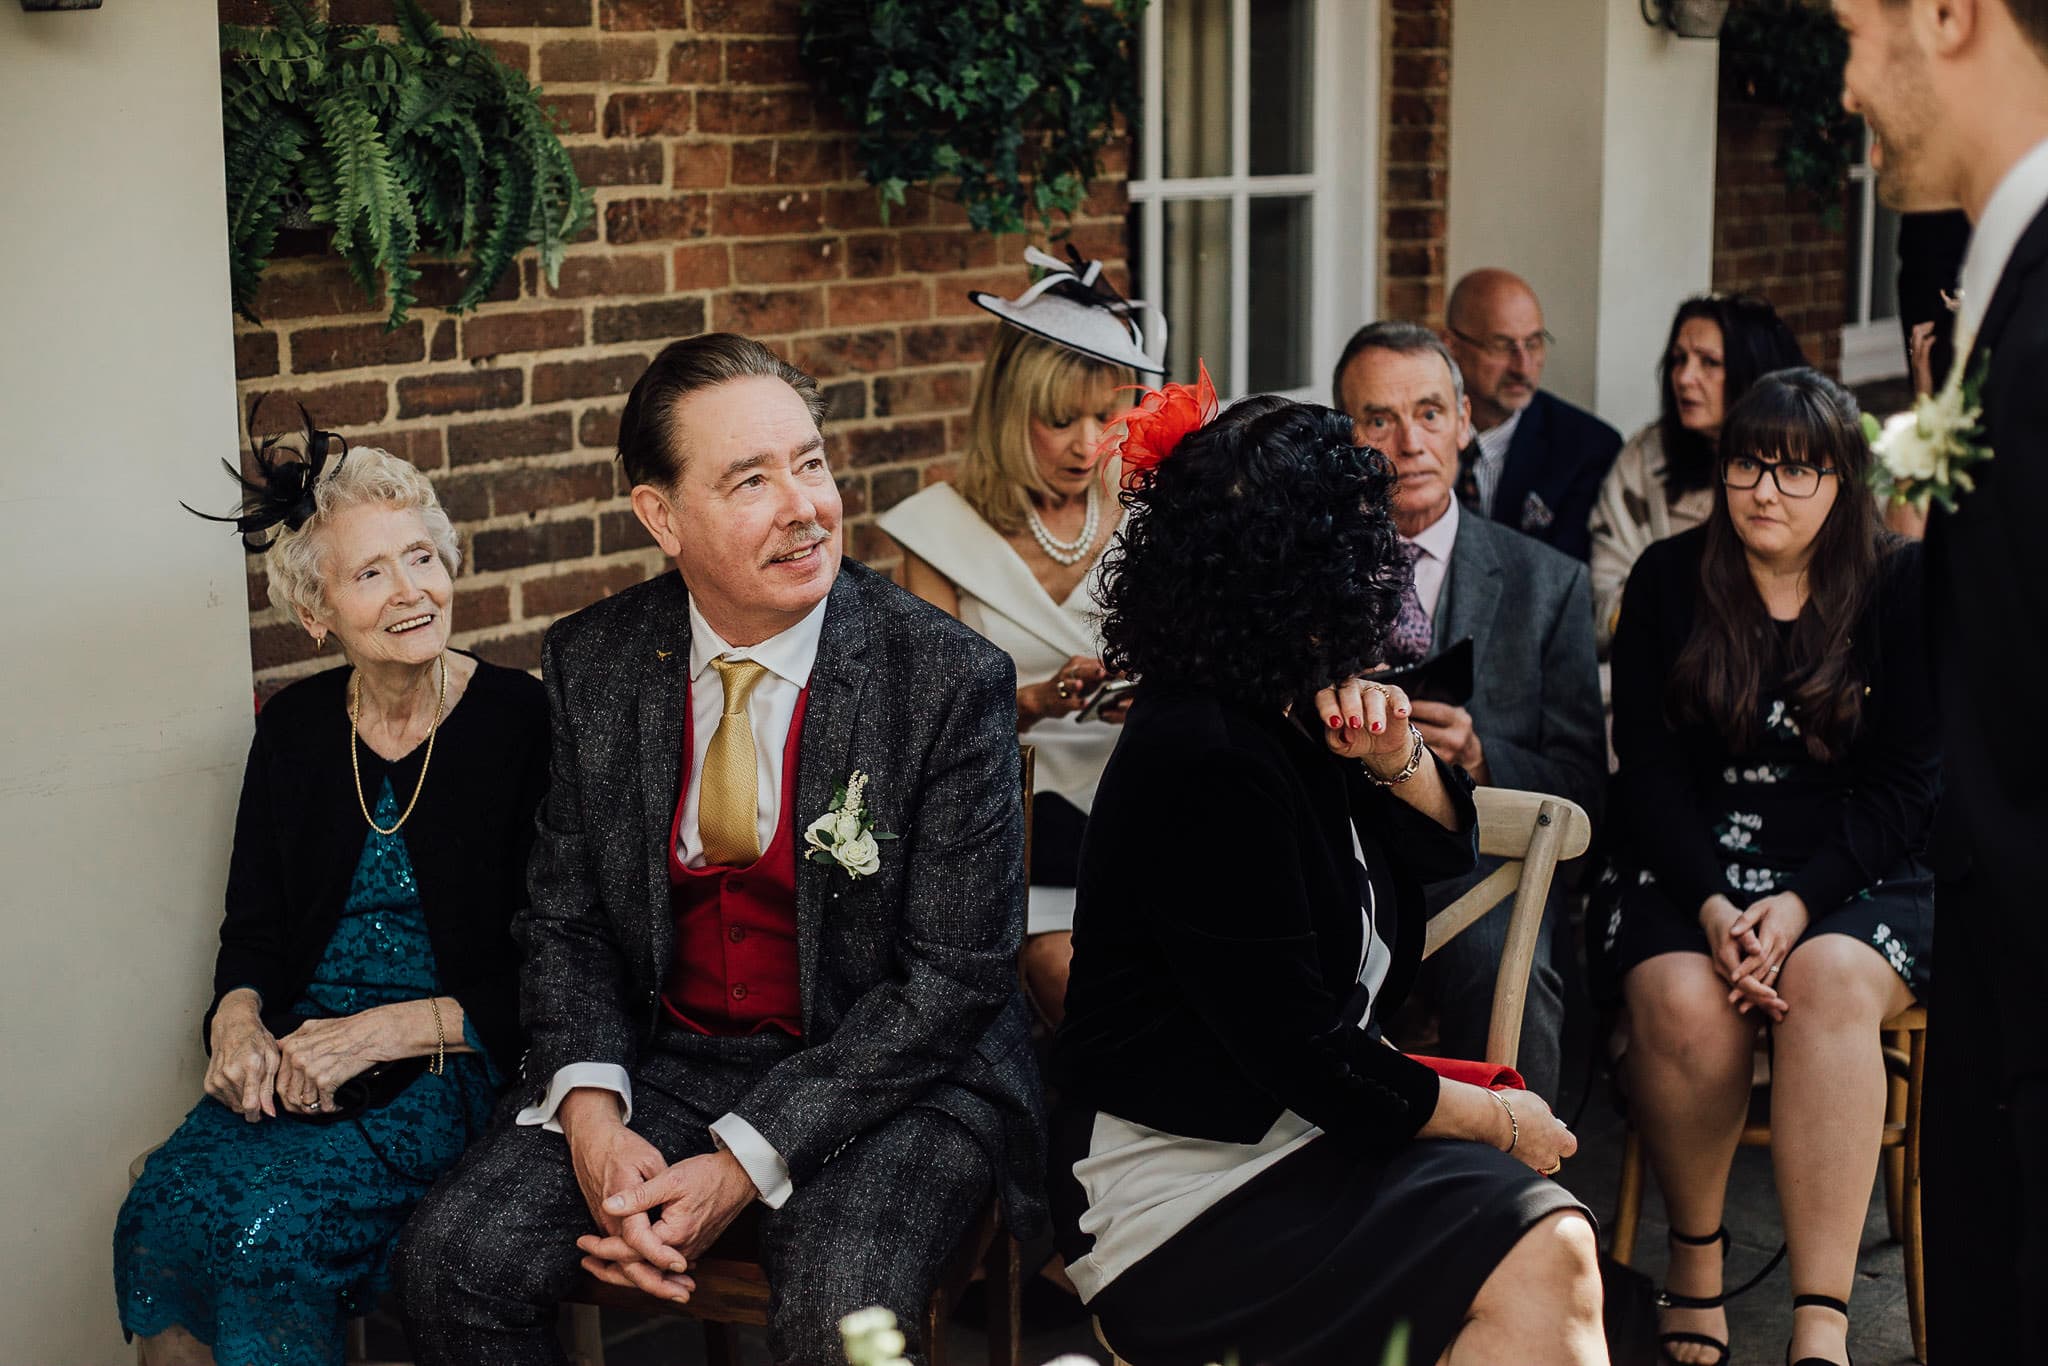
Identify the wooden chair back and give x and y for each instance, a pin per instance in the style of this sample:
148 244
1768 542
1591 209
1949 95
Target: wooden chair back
1532 833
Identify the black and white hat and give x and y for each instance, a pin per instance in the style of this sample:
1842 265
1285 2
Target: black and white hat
1072 304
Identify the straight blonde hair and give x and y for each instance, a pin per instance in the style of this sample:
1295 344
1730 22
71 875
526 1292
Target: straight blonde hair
1025 377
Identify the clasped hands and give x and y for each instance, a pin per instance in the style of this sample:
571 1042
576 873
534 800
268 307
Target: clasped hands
252 1072
654 1219
1749 947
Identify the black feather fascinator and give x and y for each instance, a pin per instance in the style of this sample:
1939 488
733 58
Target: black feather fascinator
282 492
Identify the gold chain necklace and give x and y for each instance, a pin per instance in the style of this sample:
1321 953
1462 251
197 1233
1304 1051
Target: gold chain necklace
355 758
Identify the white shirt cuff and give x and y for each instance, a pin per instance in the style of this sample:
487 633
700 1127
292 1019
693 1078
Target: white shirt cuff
756 1155
599 1076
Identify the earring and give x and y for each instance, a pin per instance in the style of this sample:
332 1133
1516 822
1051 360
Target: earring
319 642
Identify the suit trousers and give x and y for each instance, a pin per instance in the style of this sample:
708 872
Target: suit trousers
491 1252
1459 982
1985 1128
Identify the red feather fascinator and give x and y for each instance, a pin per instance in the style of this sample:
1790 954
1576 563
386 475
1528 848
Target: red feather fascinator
1152 430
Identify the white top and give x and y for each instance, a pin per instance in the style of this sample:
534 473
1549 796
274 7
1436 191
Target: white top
1001 600
789 656
1493 458
1433 565
1145 1185
2013 205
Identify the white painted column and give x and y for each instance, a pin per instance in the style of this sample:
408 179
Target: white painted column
1582 158
125 674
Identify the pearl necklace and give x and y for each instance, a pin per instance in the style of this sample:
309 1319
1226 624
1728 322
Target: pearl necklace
1074 551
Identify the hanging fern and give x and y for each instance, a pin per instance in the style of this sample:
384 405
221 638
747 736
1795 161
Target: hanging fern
425 144
990 93
1789 55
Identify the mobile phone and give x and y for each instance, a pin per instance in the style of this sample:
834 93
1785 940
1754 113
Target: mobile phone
1105 696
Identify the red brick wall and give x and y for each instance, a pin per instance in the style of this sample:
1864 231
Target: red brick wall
727 198
1415 191
1770 241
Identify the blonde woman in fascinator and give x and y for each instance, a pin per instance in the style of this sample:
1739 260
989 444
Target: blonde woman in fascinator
364 1006
1011 545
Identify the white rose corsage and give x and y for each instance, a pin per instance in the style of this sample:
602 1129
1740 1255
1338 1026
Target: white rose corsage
1924 455
846 834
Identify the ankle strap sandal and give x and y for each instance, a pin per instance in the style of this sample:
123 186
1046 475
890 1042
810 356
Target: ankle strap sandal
1668 1299
1819 1302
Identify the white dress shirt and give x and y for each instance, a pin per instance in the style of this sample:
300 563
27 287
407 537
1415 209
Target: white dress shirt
1493 458
788 657
1433 565
2012 207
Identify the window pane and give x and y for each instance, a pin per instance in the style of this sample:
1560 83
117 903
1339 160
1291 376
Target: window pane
1279 294
1197 252
1282 86
1884 256
1195 84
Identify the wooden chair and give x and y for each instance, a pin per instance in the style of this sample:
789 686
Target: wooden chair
1905 1056
732 1288
1532 833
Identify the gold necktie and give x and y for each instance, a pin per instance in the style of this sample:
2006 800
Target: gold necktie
729 798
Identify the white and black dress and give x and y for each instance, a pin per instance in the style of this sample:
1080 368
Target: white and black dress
1235 1168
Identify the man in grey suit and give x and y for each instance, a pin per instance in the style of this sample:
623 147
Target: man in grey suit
777 896
1534 718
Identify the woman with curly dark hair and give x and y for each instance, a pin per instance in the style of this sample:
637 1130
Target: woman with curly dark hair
1242 1167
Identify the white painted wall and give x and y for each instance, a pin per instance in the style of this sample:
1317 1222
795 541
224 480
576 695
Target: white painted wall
1582 157
125 671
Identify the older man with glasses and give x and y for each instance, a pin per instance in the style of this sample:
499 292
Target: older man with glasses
1537 461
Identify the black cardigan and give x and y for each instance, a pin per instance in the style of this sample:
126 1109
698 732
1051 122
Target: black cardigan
1891 773
1218 931
299 835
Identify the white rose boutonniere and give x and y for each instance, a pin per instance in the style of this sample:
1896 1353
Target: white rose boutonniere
1925 455
846 834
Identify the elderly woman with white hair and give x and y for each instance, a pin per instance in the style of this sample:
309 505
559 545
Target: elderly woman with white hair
364 1010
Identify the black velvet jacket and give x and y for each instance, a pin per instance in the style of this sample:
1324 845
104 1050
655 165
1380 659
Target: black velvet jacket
299 835
1218 930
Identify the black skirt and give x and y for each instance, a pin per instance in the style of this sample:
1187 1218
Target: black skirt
1318 1259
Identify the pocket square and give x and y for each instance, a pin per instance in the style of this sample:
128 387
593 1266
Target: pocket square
1536 514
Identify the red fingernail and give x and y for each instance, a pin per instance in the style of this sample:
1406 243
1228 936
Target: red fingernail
1356 723
1336 723
1377 727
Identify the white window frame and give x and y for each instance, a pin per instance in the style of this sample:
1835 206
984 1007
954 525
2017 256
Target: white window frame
1871 347
1343 182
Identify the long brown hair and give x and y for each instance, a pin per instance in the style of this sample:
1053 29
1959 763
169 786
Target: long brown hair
1802 415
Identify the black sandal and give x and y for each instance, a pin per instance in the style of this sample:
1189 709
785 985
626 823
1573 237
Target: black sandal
1823 1302
1667 1300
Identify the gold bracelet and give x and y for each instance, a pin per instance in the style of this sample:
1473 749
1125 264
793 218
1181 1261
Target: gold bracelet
1414 764
440 1038
1514 1129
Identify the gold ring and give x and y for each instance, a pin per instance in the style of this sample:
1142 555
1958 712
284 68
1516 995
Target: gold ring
1553 1170
1062 689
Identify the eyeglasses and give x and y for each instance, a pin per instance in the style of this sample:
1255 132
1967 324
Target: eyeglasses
1500 348
1794 478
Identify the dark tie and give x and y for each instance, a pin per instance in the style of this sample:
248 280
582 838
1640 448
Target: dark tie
1468 478
1408 641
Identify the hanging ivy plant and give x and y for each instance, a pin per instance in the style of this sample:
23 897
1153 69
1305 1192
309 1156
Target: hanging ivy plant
427 144
1789 55
1013 98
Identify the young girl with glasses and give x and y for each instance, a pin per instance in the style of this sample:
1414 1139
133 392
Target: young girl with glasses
1777 781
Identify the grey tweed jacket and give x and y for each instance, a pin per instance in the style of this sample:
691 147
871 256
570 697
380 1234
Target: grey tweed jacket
908 976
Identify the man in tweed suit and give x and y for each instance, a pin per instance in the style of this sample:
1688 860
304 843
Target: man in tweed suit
721 1014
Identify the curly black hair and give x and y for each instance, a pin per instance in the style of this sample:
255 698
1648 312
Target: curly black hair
1260 562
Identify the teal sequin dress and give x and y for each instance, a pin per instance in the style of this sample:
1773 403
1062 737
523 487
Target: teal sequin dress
259 1239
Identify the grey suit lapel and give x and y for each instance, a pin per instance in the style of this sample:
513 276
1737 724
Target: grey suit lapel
824 759
1471 588
662 700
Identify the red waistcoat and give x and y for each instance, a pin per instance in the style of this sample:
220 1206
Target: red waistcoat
735 965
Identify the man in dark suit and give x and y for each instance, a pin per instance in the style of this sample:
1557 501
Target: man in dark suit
1956 94
1535 462
736 998
1534 718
